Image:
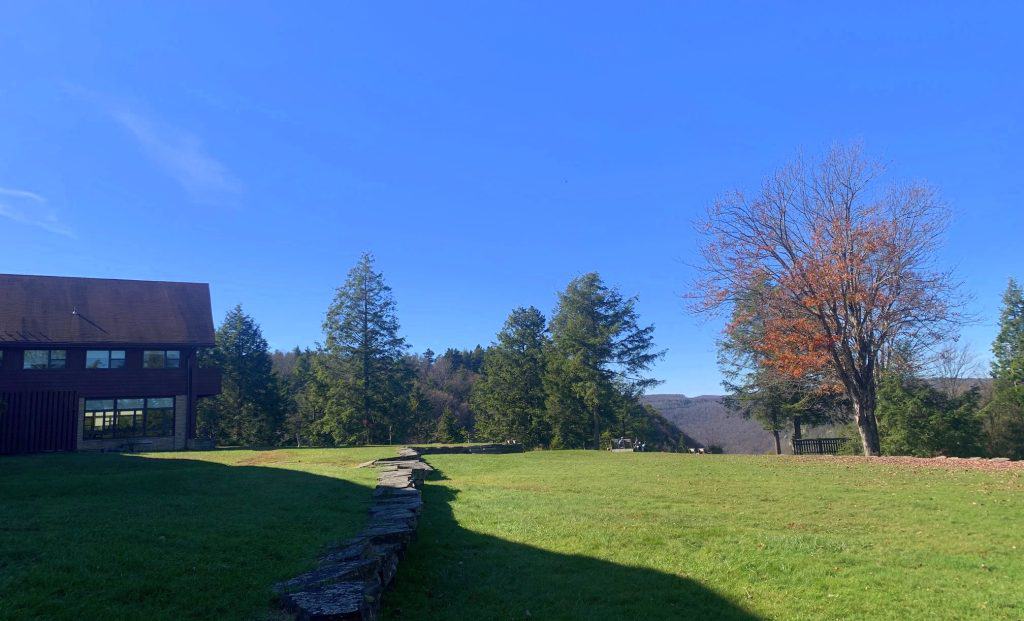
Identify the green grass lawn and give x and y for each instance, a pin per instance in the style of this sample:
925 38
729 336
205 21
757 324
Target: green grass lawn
197 535
544 535
588 535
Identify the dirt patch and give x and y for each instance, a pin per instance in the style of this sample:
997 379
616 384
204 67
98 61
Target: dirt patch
949 463
267 457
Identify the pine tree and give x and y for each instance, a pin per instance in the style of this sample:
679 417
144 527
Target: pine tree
448 429
509 397
598 351
1004 414
1008 347
247 411
915 418
299 414
364 382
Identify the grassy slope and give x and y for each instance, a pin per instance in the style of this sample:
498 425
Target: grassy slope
553 535
170 536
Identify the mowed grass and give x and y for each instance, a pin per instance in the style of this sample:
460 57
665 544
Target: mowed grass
595 535
196 535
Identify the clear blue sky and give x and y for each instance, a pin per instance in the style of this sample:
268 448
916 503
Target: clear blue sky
486 153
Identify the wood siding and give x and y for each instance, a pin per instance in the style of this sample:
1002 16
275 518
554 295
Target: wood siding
38 421
131 381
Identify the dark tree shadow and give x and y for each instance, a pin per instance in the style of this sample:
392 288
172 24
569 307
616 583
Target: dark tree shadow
109 536
453 573
86 536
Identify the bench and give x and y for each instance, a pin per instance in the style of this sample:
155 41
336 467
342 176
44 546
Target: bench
818 446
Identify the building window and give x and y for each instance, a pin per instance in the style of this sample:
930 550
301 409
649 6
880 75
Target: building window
104 359
160 359
45 359
128 418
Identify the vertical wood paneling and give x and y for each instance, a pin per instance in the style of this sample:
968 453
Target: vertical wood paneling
39 421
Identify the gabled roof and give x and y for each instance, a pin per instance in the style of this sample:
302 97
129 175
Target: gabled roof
55 310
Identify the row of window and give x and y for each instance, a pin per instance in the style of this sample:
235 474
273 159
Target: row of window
98 359
128 418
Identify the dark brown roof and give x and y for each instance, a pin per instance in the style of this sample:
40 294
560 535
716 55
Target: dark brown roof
85 311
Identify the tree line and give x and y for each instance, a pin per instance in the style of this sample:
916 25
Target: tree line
573 381
837 314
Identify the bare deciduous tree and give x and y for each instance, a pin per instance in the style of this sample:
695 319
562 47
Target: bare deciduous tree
953 366
850 269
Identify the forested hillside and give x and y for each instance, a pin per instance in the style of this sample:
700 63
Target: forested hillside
710 423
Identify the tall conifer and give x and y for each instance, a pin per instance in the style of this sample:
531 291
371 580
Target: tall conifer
509 396
248 409
598 352
365 383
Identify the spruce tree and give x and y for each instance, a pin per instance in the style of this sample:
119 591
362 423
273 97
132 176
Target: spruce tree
598 351
449 431
1004 414
1008 347
248 410
509 397
364 380
299 414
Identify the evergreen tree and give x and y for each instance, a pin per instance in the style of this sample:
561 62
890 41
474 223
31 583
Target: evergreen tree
598 352
1008 347
509 397
363 381
1004 414
449 431
247 411
917 419
299 414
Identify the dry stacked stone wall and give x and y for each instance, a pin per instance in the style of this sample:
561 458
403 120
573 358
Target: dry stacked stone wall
351 577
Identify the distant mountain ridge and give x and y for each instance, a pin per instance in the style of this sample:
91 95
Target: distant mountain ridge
708 421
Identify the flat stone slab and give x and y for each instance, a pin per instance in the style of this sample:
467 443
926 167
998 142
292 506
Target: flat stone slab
411 504
343 601
396 464
345 571
395 492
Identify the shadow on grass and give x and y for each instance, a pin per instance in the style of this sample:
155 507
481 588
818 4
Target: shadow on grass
453 573
90 536
87 536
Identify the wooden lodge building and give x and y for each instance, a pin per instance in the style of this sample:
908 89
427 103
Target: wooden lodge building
98 364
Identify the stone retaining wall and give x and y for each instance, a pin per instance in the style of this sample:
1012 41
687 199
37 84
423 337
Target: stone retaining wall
476 449
350 578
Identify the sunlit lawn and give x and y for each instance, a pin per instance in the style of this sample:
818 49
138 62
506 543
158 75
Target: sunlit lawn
196 535
584 535
544 535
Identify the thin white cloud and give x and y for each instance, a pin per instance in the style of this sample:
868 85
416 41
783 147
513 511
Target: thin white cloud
179 153
182 156
30 208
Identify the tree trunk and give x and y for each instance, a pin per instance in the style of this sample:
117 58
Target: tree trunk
597 431
867 424
778 442
797 433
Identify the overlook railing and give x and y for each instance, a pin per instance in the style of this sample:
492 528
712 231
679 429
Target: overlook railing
818 446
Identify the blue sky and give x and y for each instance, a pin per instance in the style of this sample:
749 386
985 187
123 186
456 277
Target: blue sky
486 153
